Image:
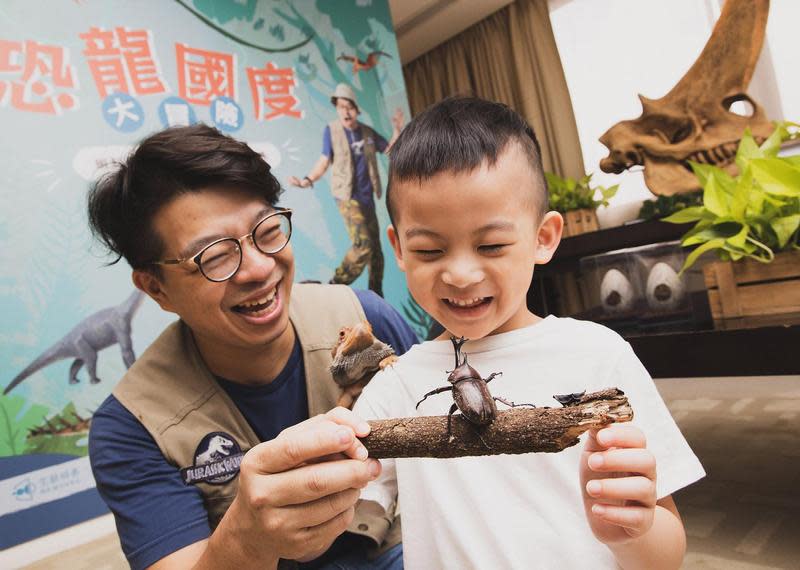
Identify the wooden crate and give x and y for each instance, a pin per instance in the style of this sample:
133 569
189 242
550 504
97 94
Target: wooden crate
747 288
579 222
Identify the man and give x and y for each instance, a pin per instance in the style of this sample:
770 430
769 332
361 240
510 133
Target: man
351 147
177 449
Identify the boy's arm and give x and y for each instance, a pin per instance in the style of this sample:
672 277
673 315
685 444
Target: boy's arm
663 546
379 497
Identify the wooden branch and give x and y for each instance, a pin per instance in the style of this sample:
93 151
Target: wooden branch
514 431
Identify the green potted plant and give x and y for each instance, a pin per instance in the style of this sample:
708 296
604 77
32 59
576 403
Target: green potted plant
752 221
576 201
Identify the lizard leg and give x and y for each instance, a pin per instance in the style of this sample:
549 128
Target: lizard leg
388 361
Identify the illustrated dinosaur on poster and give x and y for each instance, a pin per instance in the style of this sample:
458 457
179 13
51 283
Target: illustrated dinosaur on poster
99 330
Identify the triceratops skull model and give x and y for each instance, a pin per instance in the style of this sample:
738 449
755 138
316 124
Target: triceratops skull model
694 120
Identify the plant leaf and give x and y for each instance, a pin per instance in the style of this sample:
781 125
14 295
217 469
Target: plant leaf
785 227
703 172
748 149
723 230
692 257
691 214
740 195
740 238
714 197
776 176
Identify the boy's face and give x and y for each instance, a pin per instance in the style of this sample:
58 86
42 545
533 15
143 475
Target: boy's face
468 243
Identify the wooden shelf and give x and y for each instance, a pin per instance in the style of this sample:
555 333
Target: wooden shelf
762 351
746 347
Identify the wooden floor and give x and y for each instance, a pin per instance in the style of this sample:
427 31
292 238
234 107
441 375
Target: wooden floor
745 515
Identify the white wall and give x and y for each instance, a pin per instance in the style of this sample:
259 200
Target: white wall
613 50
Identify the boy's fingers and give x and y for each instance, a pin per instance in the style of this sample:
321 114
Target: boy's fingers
616 435
638 489
635 519
639 461
312 482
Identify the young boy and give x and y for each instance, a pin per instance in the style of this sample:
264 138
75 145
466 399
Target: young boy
469 210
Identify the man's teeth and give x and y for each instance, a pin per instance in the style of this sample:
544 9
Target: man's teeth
466 303
262 301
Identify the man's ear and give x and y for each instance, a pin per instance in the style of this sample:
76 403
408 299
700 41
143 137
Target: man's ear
151 285
395 241
548 236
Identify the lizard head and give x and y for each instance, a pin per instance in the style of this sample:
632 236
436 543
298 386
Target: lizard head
353 339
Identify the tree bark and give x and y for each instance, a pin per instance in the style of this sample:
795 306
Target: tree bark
514 431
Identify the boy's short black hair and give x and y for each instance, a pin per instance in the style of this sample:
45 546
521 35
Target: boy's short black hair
457 135
167 164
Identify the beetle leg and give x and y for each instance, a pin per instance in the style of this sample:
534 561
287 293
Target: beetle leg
453 408
432 392
511 404
492 375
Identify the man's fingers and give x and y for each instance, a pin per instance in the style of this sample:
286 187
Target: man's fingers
323 510
638 489
312 482
345 417
294 447
321 536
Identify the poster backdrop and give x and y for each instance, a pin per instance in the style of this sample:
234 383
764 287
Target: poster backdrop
81 81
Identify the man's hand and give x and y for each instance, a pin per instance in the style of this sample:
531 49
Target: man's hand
297 492
398 119
618 476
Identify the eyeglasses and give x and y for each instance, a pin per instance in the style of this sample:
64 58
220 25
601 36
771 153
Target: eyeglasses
221 259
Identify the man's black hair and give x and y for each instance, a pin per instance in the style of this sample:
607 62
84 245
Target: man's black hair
457 135
167 164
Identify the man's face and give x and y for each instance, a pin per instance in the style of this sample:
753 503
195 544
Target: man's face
246 312
468 243
347 112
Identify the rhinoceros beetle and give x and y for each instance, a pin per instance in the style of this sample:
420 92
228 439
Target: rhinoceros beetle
470 391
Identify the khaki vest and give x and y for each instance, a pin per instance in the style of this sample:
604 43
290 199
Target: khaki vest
172 393
342 170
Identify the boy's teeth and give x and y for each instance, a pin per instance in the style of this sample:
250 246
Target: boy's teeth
465 303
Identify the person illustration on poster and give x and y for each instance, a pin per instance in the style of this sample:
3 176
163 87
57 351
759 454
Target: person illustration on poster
351 148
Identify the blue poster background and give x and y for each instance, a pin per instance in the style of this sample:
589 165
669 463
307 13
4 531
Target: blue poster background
80 84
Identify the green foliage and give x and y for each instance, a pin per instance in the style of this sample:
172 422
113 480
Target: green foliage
65 433
753 214
418 319
567 194
664 206
14 423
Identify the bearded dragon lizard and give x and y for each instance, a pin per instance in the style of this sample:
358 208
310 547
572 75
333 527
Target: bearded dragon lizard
357 356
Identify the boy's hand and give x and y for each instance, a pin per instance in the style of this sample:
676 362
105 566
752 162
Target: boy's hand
618 477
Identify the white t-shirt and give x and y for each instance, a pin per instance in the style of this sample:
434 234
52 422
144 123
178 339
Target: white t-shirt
514 511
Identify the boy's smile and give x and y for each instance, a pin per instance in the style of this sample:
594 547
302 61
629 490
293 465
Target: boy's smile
468 243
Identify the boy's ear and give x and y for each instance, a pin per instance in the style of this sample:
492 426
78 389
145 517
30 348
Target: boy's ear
151 285
548 237
391 233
